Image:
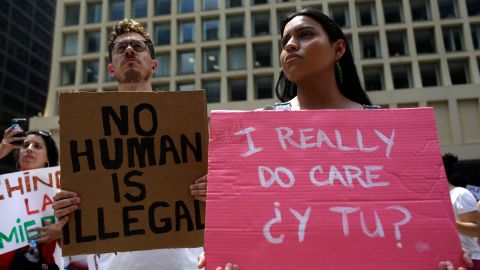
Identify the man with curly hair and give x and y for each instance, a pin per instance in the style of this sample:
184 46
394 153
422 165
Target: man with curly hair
132 63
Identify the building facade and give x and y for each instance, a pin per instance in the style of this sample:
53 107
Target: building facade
26 36
408 53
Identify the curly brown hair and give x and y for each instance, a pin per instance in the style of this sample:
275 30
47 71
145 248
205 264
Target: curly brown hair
128 25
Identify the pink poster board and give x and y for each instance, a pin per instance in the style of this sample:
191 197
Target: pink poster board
331 189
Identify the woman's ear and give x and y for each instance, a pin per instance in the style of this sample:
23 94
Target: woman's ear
340 47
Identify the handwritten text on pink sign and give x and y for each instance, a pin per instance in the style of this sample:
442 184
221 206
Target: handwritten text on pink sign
309 188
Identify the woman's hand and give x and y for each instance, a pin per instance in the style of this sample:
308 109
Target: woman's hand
199 189
6 145
48 233
446 265
202 263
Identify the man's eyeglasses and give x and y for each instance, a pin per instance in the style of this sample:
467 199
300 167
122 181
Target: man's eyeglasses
137 45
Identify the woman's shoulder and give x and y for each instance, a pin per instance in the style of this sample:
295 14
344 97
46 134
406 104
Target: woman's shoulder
279 106
286 106
371 106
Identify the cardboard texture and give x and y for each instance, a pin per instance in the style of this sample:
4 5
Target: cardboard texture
331 189
131 157
26 200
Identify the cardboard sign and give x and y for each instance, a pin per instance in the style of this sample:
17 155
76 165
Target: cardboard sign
331 189
131 157
26 200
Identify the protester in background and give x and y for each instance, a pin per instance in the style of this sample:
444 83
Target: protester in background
132 63
466 210
38 150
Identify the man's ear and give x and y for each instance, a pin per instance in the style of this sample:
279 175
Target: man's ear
154 65
340 47
111 72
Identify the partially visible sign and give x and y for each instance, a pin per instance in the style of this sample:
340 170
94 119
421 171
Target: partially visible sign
131 157
331 189
26 200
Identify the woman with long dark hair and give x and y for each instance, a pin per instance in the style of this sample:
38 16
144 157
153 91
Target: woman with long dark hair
37 150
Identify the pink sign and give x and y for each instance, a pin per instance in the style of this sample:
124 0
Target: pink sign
331 189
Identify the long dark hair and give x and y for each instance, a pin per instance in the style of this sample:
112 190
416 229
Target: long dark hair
349 85
52 150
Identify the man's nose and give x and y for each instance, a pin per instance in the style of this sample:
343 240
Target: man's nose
129 49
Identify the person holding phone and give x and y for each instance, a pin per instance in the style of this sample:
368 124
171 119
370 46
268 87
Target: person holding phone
13 136
37 150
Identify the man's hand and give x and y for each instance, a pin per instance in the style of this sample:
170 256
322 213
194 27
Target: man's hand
199 189
65 203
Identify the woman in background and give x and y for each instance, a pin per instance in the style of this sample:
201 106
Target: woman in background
38 150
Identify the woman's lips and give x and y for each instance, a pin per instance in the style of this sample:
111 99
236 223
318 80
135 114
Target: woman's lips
292 57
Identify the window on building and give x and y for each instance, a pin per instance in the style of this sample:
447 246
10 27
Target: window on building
393 11
280 15
478 64
210 29
161 87
370 46
235 26
259 2
237 89
236 58
459 72
263 87
366 14
92 41
90 71
261 24
402 76
397 43
473 7
185 6
70 44
117 10
430 73
186 86
186 32
72 14
452 38
212 89
339 13
262 55
425 41
476 36
108 78
209 4
420 10
162 34
448 8
68 73
211 60
163 68
94 12
235 3
186 62
373 77
163 7
139 8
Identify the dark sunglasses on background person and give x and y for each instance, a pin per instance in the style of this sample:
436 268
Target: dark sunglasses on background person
39 132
